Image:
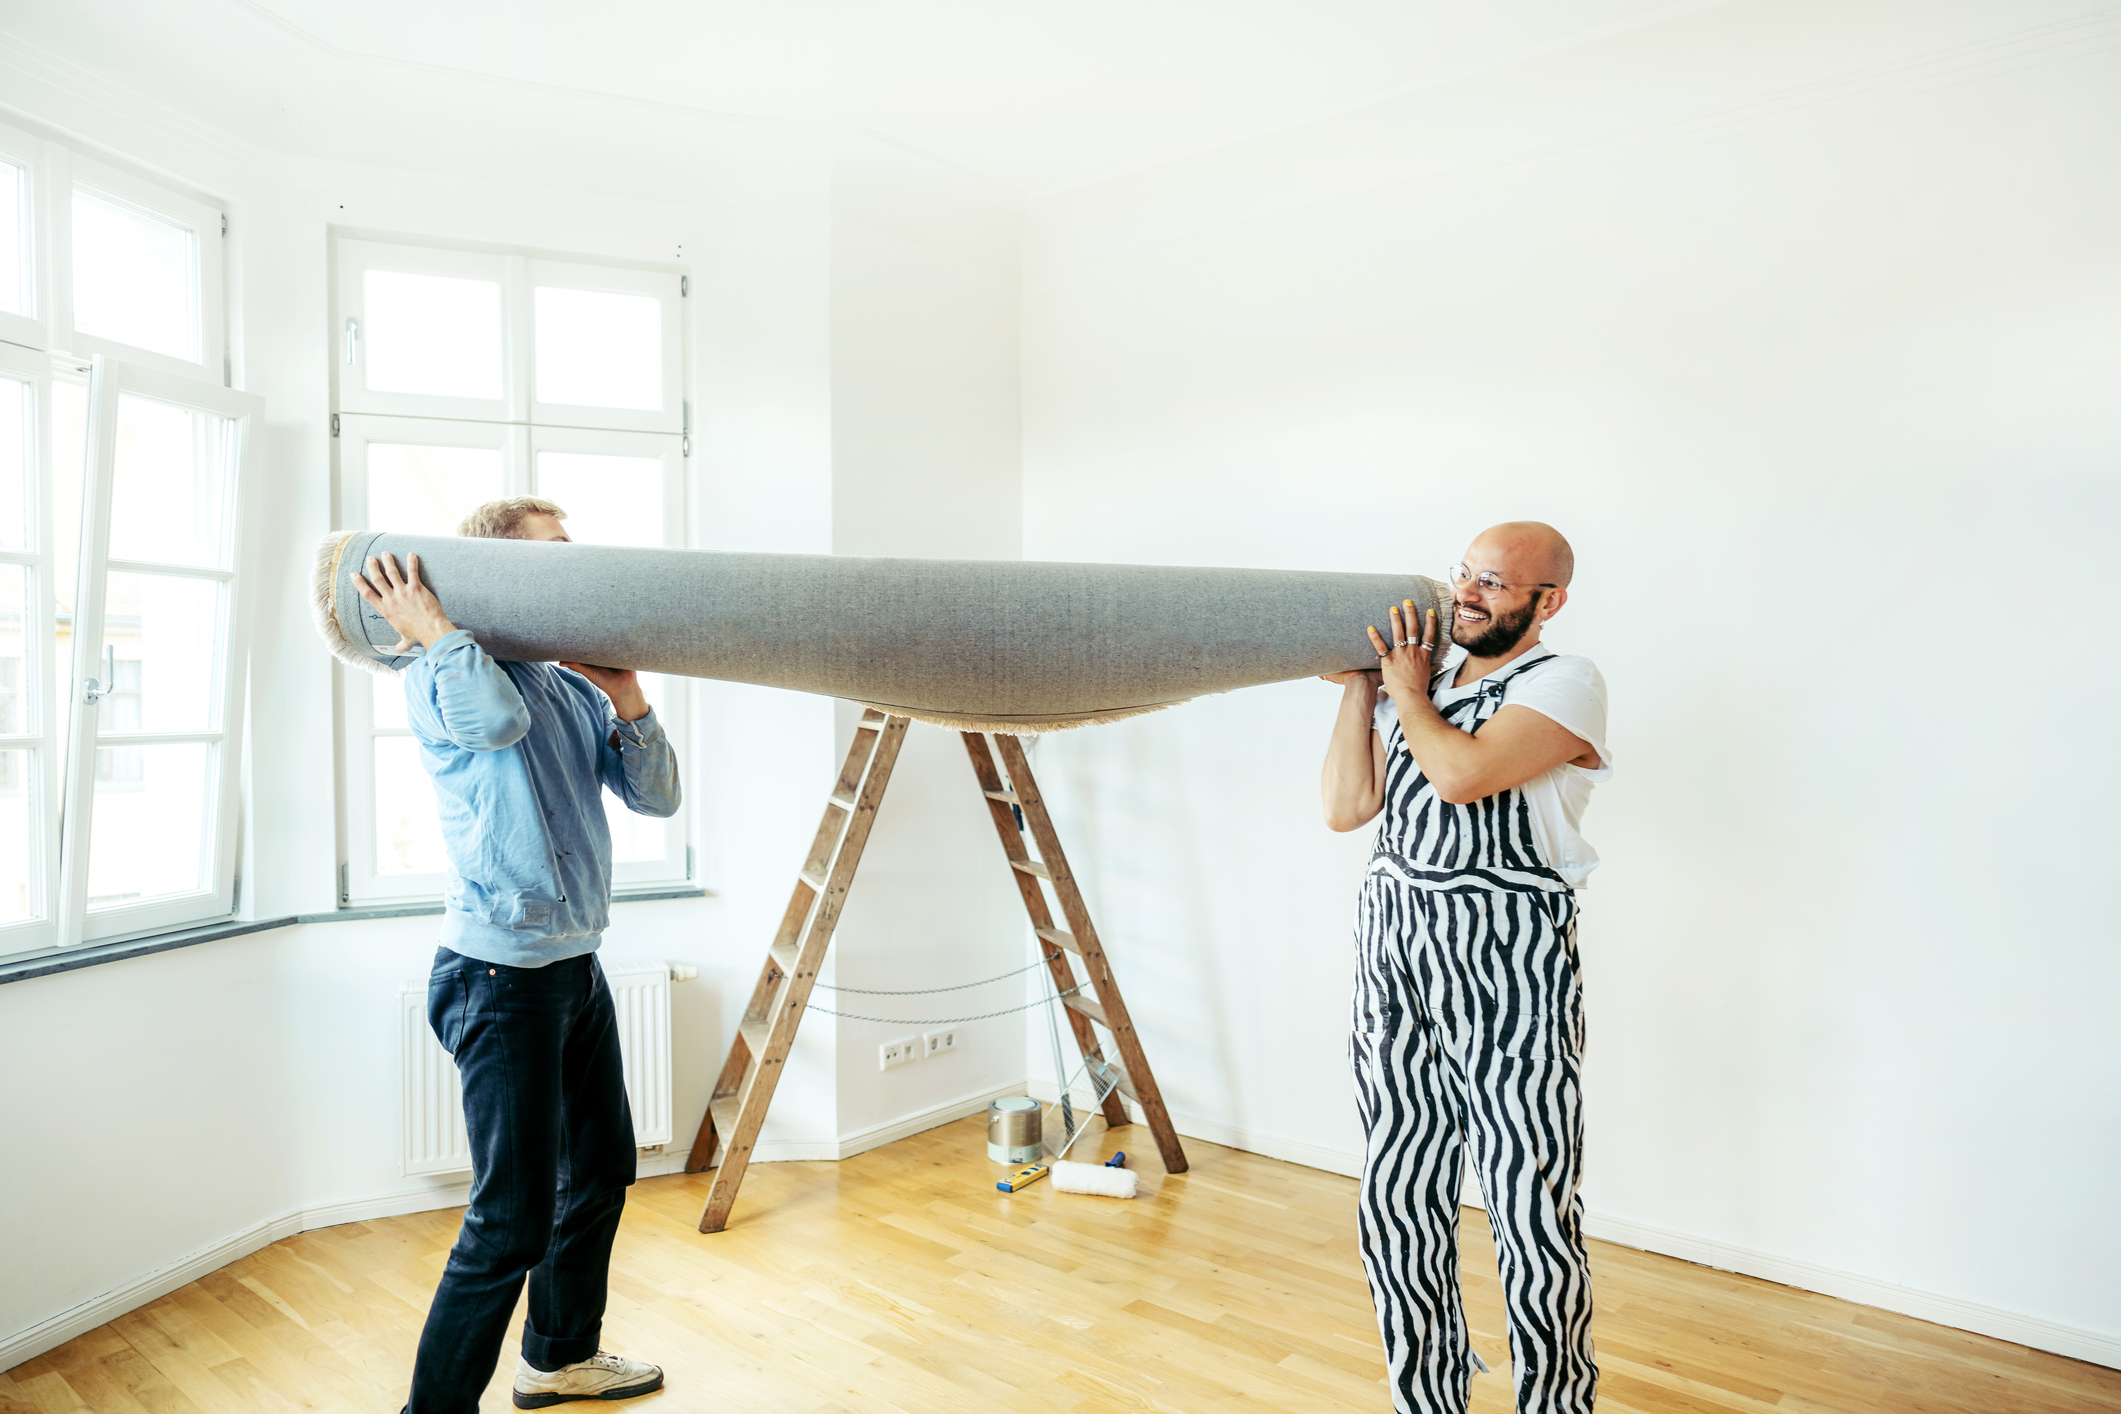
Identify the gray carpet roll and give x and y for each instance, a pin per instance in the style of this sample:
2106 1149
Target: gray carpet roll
994 645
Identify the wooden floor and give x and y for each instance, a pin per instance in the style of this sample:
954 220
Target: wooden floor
902 1281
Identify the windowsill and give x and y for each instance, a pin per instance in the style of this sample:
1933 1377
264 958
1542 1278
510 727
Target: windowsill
24 968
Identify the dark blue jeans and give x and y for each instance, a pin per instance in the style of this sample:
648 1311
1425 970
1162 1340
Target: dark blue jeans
551 1156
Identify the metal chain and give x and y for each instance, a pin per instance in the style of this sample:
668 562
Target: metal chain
942 1020
931 991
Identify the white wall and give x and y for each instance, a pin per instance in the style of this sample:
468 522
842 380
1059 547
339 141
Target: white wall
1800 324
173 1111
926 462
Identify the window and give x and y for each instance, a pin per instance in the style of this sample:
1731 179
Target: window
94 260
120 648
119 667
465 376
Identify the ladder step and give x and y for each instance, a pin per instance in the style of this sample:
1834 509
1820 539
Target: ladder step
1088 1006
871 717
1006 797
814 876
844 799
1119 1073
1060 938
755 1034
784 957
725 1109
1031 866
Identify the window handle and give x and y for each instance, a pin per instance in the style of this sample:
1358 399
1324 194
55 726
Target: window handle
97 691
353 336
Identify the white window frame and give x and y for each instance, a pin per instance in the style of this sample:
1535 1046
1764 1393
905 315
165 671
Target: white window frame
522 428
109 379
30 328
55 170
39 692
36 345
69 172
518 277
355 258
666 289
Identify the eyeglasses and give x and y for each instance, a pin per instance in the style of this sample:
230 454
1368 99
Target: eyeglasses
1489 582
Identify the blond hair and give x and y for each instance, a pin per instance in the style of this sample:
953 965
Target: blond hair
503 520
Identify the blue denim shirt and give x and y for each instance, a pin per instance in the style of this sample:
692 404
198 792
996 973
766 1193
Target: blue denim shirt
520 754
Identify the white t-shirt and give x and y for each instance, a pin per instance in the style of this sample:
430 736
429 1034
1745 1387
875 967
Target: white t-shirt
1570 691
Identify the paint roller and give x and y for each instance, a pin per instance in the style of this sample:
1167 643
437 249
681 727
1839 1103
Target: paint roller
1110 1179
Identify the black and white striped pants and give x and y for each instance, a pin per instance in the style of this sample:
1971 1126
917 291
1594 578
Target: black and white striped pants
1469 1024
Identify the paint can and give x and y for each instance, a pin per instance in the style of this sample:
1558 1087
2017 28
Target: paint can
1013 1131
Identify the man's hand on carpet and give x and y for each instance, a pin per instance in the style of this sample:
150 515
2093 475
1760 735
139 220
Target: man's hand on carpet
621 685
410 606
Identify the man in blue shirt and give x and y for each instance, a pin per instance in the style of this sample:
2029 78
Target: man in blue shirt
520 754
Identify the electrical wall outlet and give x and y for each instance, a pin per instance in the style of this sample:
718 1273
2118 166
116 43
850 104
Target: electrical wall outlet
938 1043
893 1054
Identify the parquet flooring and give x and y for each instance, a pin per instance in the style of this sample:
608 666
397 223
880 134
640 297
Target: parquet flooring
901 1281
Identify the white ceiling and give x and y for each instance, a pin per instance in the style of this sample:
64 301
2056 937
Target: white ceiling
1037 95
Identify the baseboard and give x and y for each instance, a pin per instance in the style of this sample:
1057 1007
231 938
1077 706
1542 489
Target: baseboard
57 1330
2077 1343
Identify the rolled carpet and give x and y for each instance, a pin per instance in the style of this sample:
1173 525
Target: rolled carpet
980 645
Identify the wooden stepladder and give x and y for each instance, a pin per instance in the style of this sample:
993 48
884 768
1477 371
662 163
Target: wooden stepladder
1130 1074
764 1038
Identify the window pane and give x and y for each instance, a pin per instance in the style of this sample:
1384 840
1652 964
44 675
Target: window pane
136 277
14 181
599 350
15 603
169 497
18 891
608 500
18 455
408 831
429 490
150 832
634 838
159 633
389 702
433 334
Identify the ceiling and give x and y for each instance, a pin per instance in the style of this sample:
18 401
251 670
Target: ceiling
1036 95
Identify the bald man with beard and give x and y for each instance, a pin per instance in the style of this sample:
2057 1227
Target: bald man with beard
1479 746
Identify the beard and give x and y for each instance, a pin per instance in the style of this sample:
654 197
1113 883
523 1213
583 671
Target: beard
1498 635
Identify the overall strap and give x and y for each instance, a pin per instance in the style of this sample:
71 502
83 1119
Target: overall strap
1489 692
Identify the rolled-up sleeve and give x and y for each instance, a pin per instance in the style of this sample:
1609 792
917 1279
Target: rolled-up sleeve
640 767
456 692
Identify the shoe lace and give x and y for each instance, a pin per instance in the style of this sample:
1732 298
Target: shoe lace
605 1358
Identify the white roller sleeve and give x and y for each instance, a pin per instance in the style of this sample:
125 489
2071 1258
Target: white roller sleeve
1070 1177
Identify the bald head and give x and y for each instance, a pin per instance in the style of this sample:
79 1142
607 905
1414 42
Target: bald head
1523 552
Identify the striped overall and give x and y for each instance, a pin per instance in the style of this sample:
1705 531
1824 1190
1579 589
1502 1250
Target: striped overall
1468 1025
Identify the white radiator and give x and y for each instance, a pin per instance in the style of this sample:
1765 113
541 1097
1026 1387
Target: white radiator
434 1140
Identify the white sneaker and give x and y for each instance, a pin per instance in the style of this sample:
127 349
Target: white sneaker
606 1376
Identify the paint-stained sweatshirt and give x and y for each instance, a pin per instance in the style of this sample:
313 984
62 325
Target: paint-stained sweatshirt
520 754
